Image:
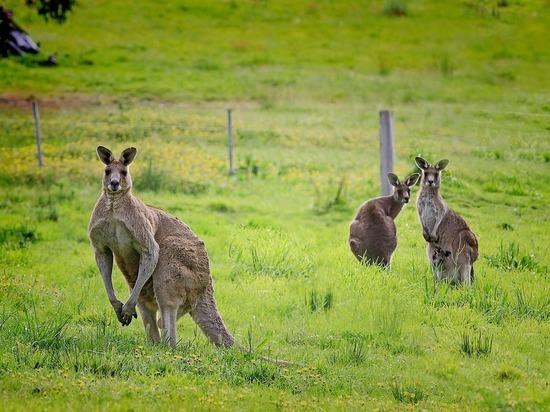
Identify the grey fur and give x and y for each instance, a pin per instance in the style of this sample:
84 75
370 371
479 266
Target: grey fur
443 228
164 263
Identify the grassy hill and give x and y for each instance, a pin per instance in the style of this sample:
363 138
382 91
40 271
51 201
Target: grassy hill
466 80
299 51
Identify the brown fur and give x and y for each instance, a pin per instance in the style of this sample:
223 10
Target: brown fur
164 263
372 234
443 228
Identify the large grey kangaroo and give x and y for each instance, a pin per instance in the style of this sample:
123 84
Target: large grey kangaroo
164 263
443 228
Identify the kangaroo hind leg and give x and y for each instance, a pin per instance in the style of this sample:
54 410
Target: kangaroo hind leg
148 317
466 274
168 320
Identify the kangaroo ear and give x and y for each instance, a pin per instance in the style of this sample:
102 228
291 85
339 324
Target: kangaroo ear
393 179
127 156
421 163
104 154
442 164
412 179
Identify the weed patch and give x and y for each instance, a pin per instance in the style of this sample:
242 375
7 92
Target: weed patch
252 168
476 345
508 374
353 352
407 394
18 237
45 334
317 301
509 258
260 372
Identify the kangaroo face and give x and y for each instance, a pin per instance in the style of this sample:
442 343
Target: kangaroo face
439 256
117 174
431 177
402 191
431 174
116 177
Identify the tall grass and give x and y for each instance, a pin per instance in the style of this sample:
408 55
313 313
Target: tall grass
317 301
476 345
509 257
404 394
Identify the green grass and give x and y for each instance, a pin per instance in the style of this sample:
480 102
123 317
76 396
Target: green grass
467 81
476 345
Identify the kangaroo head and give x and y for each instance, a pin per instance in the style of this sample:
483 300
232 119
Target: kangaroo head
440 255
117 174
402 191
431 176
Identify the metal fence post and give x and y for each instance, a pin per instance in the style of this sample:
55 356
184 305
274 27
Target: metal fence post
386 150
38 134
230 141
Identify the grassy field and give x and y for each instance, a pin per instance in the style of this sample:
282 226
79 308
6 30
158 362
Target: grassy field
466 80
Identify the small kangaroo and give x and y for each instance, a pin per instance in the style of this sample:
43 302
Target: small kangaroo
444 228
440 262
164 263
372 234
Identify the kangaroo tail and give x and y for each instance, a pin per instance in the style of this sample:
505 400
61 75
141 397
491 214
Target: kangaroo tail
207 317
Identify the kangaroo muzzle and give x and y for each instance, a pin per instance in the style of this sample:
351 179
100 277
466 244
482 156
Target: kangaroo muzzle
114 185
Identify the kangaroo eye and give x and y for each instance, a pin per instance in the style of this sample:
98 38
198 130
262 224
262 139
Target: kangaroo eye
124 173
107 172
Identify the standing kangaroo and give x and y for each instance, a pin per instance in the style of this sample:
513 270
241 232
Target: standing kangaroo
443 228
164 263
372 234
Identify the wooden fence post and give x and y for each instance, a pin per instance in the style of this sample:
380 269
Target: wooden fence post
37 130
230 141
386 150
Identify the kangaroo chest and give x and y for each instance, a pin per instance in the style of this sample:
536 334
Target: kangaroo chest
430 211
118 238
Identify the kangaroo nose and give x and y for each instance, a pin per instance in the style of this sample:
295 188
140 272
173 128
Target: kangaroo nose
115 182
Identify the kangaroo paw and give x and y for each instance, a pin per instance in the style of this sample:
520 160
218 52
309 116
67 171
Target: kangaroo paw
433 239
426 236
126 315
